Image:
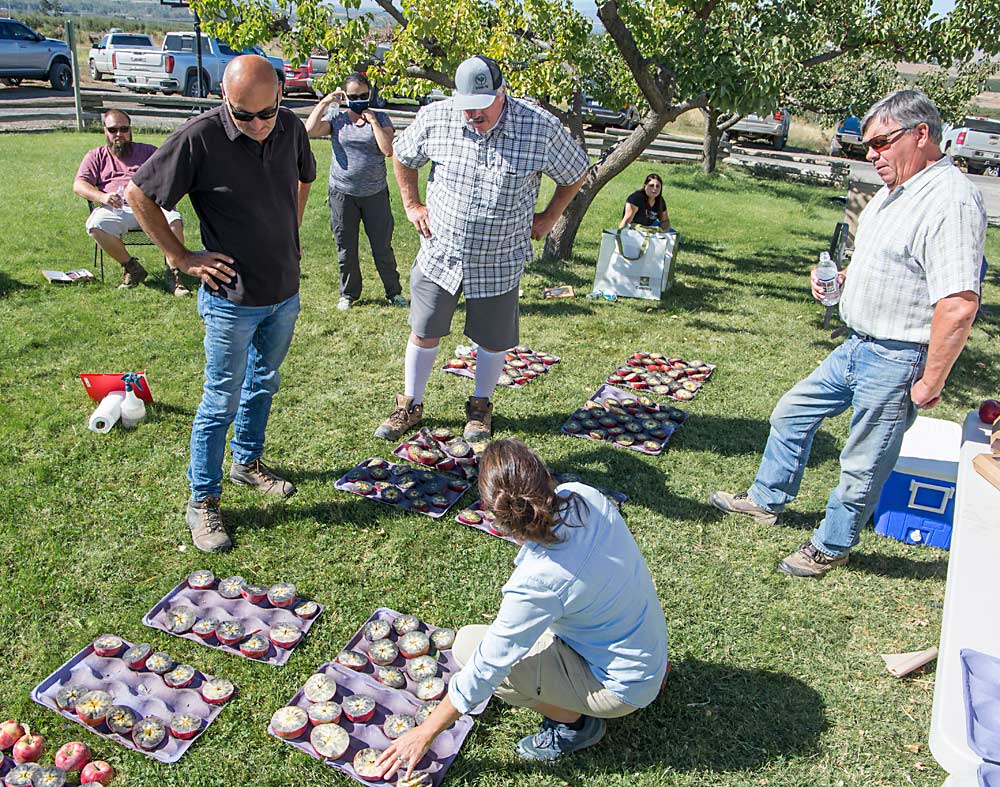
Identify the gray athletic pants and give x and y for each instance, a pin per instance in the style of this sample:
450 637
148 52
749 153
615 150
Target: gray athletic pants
346 214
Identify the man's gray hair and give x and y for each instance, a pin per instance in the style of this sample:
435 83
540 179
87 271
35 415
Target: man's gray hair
909 108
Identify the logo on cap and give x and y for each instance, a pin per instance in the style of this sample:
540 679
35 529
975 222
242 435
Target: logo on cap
480 81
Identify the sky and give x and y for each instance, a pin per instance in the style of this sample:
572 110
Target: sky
942 6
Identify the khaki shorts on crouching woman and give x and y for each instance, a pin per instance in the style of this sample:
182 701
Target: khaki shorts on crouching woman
551 672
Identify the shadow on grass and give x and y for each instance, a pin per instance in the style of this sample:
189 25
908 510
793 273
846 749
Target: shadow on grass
355 513
9 285
710 717
896 567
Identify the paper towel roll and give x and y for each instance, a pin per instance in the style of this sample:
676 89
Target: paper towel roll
107 413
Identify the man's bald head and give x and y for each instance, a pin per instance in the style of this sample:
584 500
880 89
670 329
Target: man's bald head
250 85
248 72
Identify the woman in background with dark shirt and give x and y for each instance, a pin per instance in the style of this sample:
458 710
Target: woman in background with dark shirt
647 206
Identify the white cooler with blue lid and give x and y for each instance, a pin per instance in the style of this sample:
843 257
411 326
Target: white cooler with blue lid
917 503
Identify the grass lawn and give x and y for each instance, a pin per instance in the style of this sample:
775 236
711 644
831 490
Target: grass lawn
773 682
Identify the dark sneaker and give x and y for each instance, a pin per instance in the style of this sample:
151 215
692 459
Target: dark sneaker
405 418
205 521
175 286
262 477
479 419
398 300
742 504
554 739
133 274
810 562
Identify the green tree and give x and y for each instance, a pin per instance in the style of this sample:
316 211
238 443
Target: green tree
665 56
50 8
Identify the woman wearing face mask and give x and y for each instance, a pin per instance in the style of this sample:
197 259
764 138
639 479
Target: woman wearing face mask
361 139
647 206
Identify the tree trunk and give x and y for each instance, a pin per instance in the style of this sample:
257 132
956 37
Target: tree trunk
710 143
559 243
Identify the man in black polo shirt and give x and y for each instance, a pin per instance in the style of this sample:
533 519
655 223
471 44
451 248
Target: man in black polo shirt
247 168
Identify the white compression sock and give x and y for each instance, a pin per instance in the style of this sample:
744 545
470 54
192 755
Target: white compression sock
489 367
418 365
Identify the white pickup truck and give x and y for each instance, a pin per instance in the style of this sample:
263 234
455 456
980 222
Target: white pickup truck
99 57
174 67
975 142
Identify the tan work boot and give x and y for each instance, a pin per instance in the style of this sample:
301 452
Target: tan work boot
205 521
479 419
405 417
742 504
260 476
175 286
809 562
133 274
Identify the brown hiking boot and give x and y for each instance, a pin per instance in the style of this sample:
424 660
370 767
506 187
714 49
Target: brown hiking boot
205 521
175 286
405 417
133 274
809 562
262 477
479 419
742 504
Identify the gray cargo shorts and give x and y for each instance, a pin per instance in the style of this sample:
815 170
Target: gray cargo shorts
493 323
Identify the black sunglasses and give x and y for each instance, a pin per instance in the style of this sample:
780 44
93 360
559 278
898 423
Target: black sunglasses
118 129
358 96
246 117
883 141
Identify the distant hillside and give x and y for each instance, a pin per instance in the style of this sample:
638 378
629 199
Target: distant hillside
147 10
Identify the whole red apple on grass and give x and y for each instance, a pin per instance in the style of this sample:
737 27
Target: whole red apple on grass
989 411
72 756
97 772
28 749
10 733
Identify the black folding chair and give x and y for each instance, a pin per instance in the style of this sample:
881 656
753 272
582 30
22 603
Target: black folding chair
132 238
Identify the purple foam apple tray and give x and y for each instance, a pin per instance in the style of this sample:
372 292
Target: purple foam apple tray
981 685
484 526
537 364
369 734
668 418
447 665
255 618
143 691
989 775
453 487
682 382
465 467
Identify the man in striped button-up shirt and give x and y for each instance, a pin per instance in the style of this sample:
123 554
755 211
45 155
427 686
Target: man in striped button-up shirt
488 154
910 298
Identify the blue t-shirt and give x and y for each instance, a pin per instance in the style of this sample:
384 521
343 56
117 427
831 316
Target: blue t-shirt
357 166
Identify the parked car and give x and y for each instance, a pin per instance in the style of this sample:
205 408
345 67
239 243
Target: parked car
174 67
974 143
299 79
25 54
99 57
847 138
596 115
754 128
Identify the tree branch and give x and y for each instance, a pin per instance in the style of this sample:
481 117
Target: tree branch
639 66
707 10
391 10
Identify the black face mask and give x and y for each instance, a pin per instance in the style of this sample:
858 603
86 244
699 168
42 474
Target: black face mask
357 107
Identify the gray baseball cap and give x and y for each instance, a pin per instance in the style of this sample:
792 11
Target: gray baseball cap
477 81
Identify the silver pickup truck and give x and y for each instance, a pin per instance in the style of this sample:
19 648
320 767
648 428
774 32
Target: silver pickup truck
174 67
975 142
99 57
771 128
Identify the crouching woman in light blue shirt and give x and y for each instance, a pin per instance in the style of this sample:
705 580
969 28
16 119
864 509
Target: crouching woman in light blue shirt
580 636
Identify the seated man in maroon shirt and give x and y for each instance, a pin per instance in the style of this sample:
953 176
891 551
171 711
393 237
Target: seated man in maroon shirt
103 175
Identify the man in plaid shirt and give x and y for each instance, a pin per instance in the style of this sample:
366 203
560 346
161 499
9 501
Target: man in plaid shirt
488 152
910 300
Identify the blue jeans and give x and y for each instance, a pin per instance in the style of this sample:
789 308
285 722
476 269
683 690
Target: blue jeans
874 377
244 346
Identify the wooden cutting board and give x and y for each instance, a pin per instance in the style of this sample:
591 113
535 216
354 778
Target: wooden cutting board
988 466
